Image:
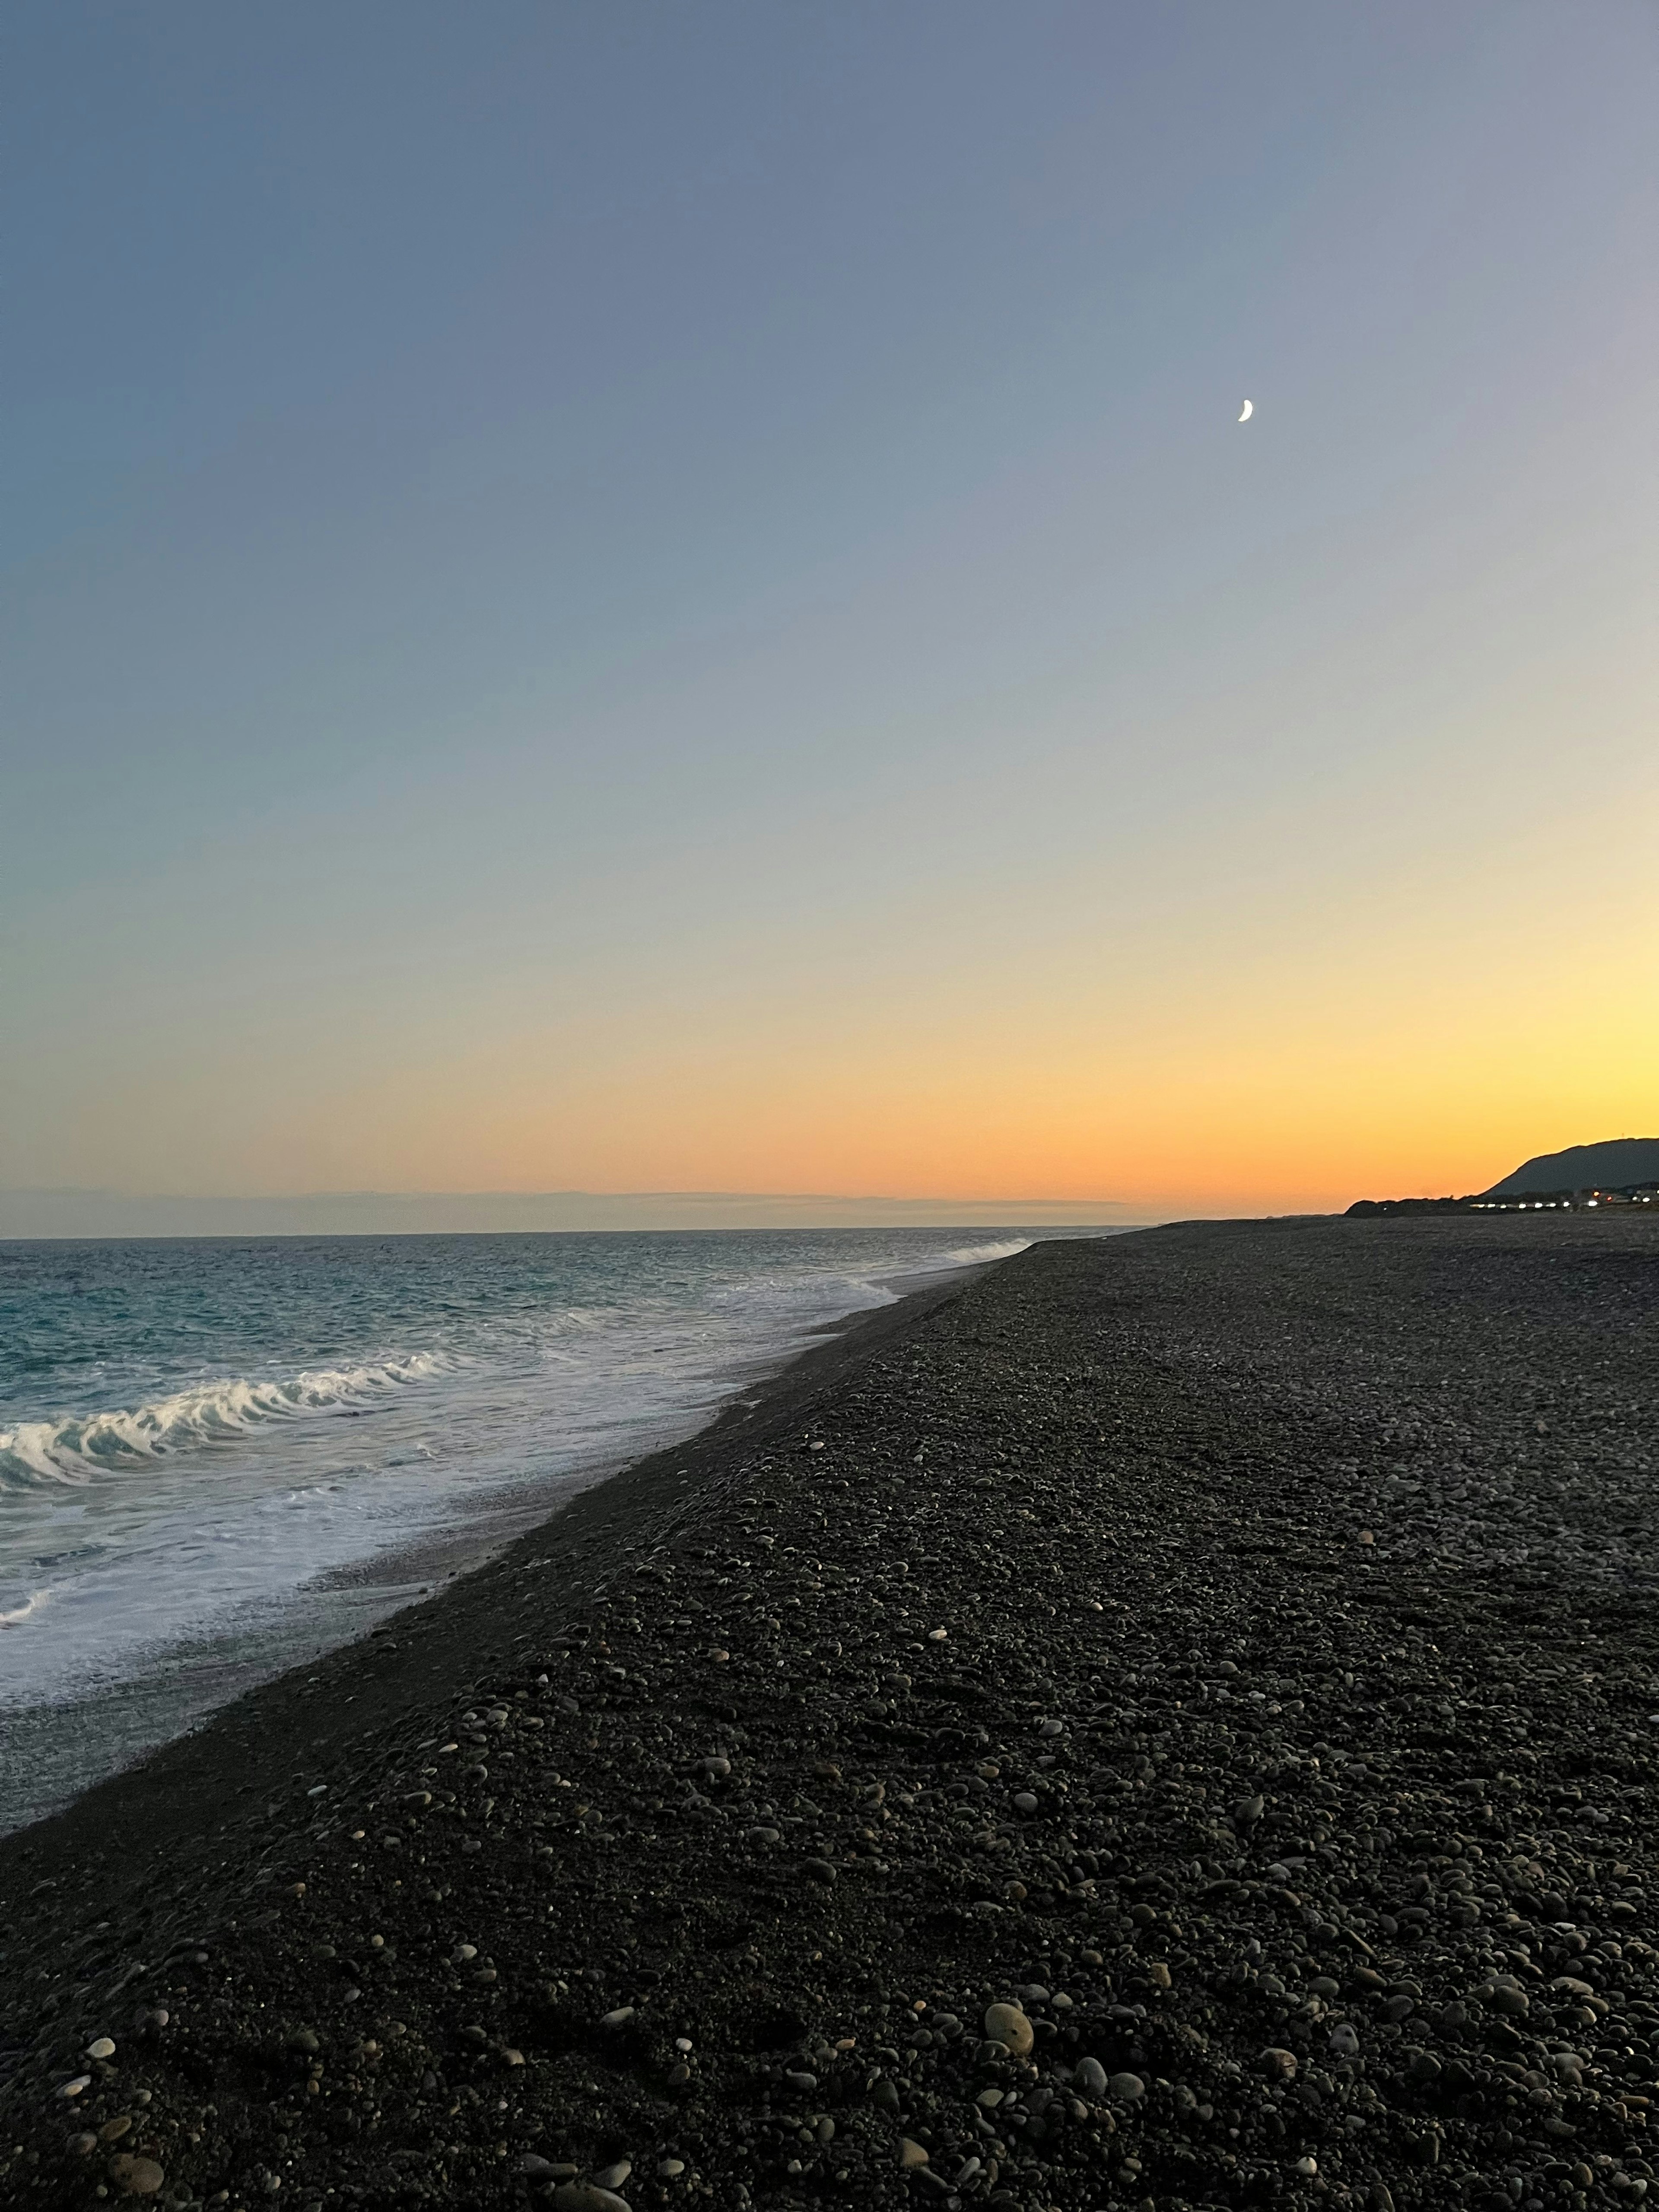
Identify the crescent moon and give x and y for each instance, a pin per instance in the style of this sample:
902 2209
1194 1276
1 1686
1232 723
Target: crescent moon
1250 409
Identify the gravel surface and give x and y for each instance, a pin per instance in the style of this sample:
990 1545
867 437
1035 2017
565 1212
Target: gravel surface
1166 1724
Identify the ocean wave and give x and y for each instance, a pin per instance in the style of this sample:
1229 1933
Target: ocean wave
79 1448
32 1604
975 1256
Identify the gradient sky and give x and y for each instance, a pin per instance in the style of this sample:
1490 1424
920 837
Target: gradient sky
633 597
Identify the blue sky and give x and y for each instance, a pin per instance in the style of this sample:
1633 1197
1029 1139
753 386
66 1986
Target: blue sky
566 569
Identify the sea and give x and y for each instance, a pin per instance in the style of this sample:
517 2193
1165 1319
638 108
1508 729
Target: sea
219 1456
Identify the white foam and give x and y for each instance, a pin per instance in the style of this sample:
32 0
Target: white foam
32 1604
977 1256
77 1450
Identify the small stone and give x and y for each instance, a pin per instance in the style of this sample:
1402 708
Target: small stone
533 2163
911 2153
937 1635
619 2017
74 2088
1307 2168
678 2076
1007 2024
612 2176
819 1871
1024 1801
112 2130
511 2057
1090 2077
802 2082
1126 2088
136 2177
84 2144
1278 2063
671 2168
104 2048
586 2197
1345 2040
1158 1974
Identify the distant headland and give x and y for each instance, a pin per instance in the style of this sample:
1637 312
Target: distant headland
1623 1171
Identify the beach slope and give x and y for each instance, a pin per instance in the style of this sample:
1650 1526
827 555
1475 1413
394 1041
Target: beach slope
1164 1723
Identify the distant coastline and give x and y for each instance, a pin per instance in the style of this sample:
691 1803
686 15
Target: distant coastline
1622 1171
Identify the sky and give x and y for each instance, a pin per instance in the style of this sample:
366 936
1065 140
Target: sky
621 598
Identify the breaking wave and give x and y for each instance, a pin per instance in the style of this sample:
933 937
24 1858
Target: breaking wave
974 1255
82 1447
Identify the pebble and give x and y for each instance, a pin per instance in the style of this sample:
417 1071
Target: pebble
671 2168
911 2153
586 2197
819 1871
1508 1999
104 2048
135 2177
1090 2077
619 2016
1007 2025
1126 2088
612 2176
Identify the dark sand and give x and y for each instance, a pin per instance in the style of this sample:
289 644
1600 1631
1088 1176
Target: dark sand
1319 1866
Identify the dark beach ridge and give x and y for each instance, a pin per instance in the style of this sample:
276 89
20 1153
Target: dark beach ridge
1168 1722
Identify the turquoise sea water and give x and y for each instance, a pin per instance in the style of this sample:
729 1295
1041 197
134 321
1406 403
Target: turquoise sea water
207 1446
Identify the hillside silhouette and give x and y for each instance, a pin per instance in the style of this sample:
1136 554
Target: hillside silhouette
1614 1165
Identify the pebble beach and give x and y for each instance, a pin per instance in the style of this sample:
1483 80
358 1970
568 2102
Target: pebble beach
1166 1723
